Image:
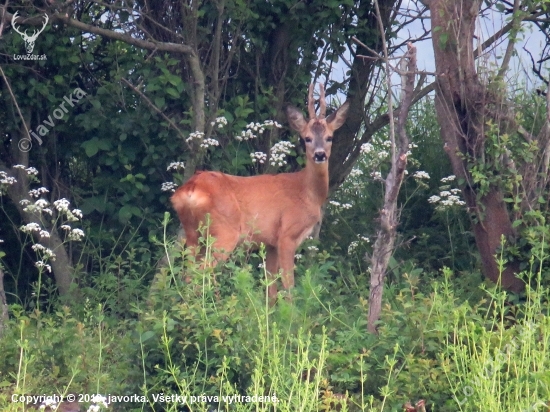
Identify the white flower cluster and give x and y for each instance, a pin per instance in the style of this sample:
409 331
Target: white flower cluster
353 245
31 227
168 187
62 205
100 400
46 252
41 205
279 151
313 248
206 143
366 148
253 128
76 235
194 135
448 179
73 234
355 173
38 192
421 175
175 166
259 157
447 198
376 175
42 264
6 180
339 205
220 121
30 170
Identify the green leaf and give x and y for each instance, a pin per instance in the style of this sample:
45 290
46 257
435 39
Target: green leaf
91 147
173 92
160 102
174 80
92 204
104 144
125 213
443 40
147 335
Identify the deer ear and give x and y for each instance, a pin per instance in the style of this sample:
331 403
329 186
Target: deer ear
295 119
338 118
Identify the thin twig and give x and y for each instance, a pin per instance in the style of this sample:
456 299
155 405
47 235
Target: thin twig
388 77
16 105
156 109
360 43
2 17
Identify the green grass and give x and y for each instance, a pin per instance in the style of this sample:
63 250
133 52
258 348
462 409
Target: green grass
209 335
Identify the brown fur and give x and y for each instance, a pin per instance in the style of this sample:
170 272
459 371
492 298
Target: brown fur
277 210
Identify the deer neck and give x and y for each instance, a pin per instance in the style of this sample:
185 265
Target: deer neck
316 181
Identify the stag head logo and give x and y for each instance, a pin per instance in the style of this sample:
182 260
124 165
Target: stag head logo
29 39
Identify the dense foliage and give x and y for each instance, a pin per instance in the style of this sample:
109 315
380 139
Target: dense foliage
115 127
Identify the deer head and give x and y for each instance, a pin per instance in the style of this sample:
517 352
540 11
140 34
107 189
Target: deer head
318 130
29 40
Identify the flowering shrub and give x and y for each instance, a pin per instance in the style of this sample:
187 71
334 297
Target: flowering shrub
253 128
448 197
49 218
278 152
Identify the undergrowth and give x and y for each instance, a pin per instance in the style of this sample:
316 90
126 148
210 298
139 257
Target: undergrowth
206 339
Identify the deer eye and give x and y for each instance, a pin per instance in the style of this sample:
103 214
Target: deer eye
307 139
329 139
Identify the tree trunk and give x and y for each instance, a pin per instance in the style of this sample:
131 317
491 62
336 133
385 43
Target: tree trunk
464 106
61 267
389 215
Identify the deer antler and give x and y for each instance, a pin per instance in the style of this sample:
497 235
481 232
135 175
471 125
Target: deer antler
35 33
311 102
322 102
13 24
46 20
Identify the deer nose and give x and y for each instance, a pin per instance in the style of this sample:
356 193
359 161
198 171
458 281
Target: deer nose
320 156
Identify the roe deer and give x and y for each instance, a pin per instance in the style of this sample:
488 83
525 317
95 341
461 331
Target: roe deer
279 210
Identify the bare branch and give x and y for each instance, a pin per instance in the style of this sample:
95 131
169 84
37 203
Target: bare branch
111 34
516 22
156 109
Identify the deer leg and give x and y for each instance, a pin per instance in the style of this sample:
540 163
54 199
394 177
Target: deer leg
272 267
286 251
225 242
